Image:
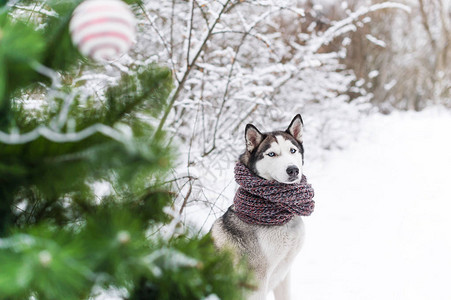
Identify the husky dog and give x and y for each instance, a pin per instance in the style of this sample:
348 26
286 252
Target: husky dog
270 250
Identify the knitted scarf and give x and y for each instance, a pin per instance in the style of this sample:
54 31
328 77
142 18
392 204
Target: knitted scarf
264 202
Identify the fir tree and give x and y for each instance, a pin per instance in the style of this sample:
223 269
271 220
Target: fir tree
57 241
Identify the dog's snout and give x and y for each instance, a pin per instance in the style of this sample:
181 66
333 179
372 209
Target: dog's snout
292 171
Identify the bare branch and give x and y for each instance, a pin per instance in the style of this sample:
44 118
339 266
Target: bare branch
425 23
160 35
190 32
189 67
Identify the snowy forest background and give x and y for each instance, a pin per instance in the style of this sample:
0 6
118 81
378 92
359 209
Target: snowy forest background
338 63
335 62
262 61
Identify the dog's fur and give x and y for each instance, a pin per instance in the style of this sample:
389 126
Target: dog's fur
270 250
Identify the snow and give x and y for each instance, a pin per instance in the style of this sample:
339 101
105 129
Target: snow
373 74
376 41
212 297
380 229
58 137
388 86
381 225
346 25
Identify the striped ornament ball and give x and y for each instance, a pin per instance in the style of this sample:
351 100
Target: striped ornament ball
103 29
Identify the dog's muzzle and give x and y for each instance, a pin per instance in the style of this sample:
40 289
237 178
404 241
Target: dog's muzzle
293 173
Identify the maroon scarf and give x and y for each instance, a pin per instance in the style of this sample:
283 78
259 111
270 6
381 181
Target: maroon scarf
264 202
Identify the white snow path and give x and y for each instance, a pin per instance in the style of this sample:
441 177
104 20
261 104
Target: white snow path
382 224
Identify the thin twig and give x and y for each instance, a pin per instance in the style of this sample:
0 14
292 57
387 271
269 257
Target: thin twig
229 79
425 23
185 199
251 111
212 205
204 14
171 52
32 12
163 40
189 177
246 33
190 32
188 70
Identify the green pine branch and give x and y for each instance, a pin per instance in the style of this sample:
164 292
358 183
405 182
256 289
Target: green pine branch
57 239
111 250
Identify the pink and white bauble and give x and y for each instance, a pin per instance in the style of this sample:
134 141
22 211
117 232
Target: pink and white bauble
103 29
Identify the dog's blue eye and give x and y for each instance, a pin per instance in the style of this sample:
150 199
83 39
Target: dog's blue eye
292 150
271 154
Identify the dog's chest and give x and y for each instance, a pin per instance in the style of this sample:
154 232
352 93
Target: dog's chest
281 243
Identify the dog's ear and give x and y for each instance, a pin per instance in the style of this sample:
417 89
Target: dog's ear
296 128
253 137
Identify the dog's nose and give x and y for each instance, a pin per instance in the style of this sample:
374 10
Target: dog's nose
293 171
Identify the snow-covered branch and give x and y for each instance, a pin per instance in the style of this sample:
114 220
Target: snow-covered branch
346 25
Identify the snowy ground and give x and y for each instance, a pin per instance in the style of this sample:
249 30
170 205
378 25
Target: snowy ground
382 224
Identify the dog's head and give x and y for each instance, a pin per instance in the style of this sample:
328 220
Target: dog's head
277 155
